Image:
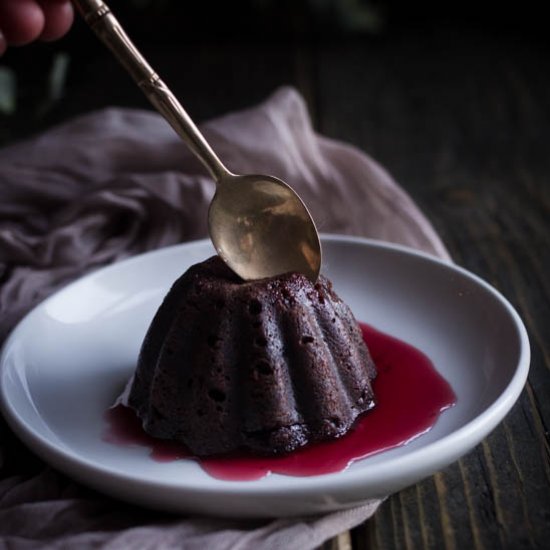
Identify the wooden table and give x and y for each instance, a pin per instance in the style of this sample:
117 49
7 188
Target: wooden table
462 121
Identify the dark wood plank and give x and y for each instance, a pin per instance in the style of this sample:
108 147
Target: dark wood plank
463 124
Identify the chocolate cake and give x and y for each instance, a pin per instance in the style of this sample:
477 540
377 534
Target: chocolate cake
267 366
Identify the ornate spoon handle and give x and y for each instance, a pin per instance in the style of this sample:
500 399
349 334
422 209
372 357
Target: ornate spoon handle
99 17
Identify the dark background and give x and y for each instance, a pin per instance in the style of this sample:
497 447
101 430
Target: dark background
224 55
452 98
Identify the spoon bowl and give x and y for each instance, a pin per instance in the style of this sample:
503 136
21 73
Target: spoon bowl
261 228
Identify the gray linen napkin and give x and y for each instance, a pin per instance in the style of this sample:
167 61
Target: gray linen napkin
119 182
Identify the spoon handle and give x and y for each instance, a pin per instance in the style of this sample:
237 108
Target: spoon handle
99 17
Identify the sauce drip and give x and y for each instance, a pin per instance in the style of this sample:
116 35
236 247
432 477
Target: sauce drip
410 395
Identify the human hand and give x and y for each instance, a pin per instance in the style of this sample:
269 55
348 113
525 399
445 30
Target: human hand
23 21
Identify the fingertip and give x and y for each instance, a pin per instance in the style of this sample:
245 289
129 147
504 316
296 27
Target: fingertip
58 20
3 44
22 22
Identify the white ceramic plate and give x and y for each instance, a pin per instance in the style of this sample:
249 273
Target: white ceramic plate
69 358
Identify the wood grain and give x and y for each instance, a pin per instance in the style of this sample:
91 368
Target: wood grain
463 124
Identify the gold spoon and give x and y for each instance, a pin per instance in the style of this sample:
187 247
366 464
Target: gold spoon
259 226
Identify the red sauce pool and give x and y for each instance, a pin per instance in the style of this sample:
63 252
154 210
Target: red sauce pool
410 396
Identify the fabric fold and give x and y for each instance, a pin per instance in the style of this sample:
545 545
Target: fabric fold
118 182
